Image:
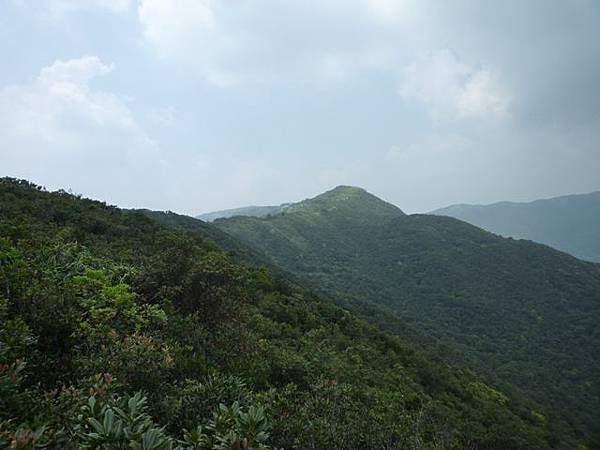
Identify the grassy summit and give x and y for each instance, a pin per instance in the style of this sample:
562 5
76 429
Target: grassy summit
346 202
339 197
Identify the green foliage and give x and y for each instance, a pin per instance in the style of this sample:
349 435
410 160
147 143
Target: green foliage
124 423
195 400
232 424
119 332
126 426
522 314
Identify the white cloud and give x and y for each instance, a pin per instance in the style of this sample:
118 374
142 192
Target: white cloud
171 26
56 9
229 43
165 117
451 88
393 12
481 95
110 5
61 131
60 127
186 32
76 72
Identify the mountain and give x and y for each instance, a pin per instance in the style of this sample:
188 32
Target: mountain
521 312
339 194
253 211
570 223
136 329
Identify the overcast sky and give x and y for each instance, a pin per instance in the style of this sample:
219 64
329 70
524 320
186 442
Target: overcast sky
197 105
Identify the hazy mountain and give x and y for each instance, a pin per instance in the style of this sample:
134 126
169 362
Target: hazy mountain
570 223
252 211
340 193
525 312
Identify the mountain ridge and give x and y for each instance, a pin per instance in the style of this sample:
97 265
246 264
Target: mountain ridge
340 193
252 210
568 223
509 304
527 202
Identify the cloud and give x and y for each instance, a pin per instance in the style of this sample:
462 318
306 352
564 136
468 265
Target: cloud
186 32
451 88
76 72
308 93
171 26
110 5
165 117
62 131
56 9
267 41
236 42
393 12
59 127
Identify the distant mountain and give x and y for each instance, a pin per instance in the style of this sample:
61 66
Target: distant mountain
251 211
344 200
520 311
570 223
340 193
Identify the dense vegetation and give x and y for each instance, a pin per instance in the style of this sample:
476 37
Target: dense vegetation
519 312
119 332
254 211
570 223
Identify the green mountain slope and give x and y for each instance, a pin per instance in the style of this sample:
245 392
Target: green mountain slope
253 211
97 303
517 310
570 223
233 246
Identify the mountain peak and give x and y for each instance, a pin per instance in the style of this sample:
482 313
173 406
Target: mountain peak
347 201
342 192
348 189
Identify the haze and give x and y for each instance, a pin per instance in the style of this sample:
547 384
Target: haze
198 105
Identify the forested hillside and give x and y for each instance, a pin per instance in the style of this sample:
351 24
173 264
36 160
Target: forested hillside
570 223
254 211
120 332
518 311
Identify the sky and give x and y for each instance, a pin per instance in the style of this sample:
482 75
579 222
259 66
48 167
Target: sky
201 105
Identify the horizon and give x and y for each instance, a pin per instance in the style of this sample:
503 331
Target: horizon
400 206
291 202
